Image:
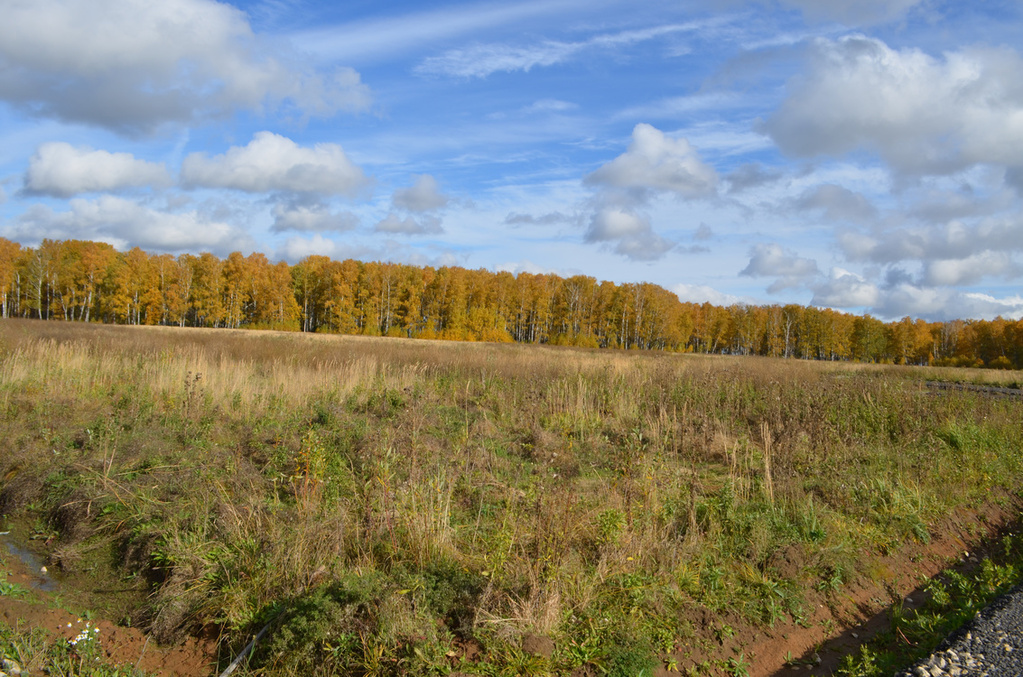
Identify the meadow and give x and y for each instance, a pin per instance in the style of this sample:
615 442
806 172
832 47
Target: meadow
399 507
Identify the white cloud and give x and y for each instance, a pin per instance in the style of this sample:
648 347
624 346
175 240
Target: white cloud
971 269
700 293
402 32
950 241
791 270
525 267
297 248
314 218
844 289
921 114
549 106
945 304
752 175
271 162
835 203
549 219
482 60
131 65
676 107
614 224
652 164
125 224
479 61
1014 179
63 170
423 225
654 161
631 233
423 196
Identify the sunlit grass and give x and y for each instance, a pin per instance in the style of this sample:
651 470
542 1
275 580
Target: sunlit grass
398 498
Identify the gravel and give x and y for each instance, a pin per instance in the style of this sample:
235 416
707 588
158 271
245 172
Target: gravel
991 645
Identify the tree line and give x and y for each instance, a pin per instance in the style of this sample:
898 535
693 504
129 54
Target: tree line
83 281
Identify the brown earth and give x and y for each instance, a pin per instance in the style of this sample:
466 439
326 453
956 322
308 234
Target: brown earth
196 657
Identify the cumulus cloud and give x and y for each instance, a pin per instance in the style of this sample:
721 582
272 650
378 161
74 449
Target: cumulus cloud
63 170
527 266
921 114
419 202
297 248
835 203
311 218
950 241
940 205
130 65
752 175
271 162
423 196
853 12
971 269
410 225
700 293
657 162
791 270
844 289
945 304
125 224
1014 178
652 164
631 233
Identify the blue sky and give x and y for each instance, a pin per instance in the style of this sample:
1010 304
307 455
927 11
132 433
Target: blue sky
855 154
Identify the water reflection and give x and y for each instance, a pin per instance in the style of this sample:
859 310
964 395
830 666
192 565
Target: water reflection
40 580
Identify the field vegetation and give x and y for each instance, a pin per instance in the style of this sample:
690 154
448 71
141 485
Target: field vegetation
395 507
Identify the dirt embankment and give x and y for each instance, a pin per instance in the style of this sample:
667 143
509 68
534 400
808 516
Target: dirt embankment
836 625
195 657
839 622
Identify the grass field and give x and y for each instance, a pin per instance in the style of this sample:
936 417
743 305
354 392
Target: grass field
399 507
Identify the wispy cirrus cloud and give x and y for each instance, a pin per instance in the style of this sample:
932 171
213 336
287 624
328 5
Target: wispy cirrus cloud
386 38
482 60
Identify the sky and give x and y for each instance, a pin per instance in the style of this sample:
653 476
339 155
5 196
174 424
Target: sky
861 155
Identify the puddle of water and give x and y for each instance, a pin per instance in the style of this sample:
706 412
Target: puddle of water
40 580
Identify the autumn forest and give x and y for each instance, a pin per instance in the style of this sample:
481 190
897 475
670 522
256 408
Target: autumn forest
84 281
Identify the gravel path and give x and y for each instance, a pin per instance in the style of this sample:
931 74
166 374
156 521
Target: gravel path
991 645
